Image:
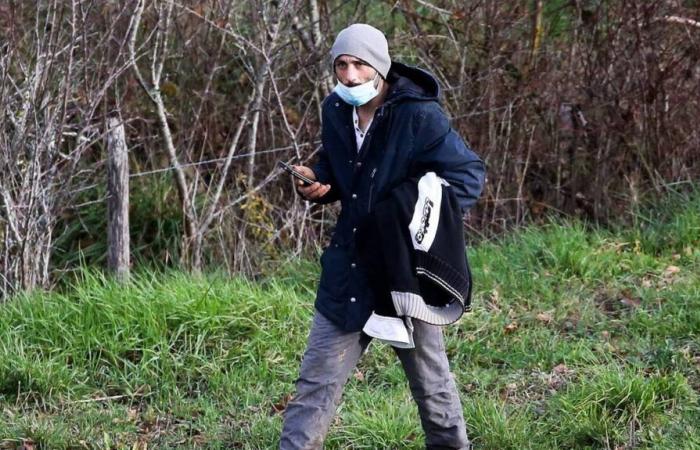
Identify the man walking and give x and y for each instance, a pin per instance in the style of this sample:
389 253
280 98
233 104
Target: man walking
381 125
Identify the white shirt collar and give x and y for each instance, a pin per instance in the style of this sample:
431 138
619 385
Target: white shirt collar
359 134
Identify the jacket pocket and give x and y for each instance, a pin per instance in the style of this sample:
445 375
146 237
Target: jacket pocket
335 271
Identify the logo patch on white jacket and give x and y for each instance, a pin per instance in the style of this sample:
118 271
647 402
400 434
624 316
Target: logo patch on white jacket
426 212
424 221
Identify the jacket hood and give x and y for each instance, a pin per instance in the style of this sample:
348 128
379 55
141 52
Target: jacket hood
411 83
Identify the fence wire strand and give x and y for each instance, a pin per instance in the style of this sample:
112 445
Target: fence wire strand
198 163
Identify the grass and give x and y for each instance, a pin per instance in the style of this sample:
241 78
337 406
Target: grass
579 339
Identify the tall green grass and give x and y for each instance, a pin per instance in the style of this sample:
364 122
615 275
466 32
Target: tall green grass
580 338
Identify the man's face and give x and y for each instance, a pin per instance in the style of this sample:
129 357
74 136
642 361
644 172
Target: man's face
352 71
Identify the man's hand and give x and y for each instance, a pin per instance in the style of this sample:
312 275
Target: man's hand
313 192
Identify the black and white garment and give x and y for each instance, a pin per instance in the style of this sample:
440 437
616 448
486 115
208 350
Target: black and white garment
413 245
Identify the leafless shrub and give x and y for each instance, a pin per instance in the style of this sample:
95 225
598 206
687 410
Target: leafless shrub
49 118
578 108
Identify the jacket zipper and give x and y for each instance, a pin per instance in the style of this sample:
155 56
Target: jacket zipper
371 188
366 143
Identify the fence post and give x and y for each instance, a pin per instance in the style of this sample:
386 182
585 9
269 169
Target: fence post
117 200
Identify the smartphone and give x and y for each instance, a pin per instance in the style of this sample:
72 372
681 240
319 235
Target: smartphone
307 181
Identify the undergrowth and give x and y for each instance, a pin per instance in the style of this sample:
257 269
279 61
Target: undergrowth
580 338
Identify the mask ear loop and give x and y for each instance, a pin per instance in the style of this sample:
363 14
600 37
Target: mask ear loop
376 79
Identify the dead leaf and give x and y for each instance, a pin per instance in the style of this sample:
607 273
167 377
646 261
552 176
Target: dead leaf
280 406
293 116
630 301
671 270
359 376
544 317
459 14
561 369
508 391
511 327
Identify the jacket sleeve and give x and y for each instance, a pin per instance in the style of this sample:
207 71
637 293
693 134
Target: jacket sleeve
324 174
438 148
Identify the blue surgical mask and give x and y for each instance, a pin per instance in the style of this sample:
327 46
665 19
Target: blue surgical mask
357 95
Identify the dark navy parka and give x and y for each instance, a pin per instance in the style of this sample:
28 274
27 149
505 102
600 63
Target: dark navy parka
409 135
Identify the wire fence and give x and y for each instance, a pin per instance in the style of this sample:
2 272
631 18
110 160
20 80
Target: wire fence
195 164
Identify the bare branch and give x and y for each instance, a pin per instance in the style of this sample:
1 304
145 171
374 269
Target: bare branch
682 21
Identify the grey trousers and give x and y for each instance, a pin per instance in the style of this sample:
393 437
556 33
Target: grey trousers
330 357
